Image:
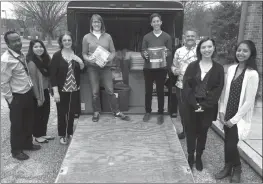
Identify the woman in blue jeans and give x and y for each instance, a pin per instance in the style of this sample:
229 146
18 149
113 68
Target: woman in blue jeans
98 37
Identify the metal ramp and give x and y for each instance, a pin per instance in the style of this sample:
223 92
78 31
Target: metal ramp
116 151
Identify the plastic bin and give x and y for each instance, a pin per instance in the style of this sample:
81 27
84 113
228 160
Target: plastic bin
122 95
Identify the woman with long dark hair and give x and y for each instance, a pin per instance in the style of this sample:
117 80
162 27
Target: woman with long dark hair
203 83
65 79
38 63
237 105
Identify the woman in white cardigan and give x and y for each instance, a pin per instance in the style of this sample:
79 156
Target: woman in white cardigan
236 106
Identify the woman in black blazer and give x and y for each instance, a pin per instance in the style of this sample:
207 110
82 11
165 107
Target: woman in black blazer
65 79
203 83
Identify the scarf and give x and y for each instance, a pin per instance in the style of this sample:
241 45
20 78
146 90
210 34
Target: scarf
41 65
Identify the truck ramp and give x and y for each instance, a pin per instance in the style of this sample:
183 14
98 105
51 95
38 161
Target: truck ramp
116 151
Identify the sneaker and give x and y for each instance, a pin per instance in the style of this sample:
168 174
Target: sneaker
63 140
122 116
181 135
173 115
96 117
160 119
34 147
146 117
20 156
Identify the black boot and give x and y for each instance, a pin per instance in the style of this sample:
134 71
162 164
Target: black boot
181 135
224 172
236 175
198 162
191 160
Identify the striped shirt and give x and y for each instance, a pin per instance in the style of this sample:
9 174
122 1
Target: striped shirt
70 84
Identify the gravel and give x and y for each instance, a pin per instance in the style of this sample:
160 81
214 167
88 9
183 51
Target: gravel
43 165
213 160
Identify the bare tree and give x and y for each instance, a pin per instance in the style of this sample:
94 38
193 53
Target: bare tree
45 14
22 20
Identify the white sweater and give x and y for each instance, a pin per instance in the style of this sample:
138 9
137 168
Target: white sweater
244 114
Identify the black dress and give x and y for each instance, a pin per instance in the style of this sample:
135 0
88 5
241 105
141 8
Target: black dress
234 96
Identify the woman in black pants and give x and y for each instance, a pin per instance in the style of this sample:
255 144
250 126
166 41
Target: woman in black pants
38 63
65 79
236 106
203 83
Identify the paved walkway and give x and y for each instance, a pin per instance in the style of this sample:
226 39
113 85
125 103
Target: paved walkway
251 148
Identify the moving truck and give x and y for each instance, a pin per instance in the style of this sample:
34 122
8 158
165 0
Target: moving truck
127 22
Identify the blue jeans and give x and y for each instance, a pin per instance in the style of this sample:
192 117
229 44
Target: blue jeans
104 75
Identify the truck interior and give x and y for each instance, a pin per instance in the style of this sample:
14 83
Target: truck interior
127 26
127 22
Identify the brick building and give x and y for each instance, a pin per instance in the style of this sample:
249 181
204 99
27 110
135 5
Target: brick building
251 28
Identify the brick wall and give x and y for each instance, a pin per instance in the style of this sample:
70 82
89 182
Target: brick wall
253 31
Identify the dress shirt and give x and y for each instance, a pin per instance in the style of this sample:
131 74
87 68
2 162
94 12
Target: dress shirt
14 78
182 58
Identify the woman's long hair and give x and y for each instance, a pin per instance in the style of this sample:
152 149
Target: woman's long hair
251 61
198 48
31 55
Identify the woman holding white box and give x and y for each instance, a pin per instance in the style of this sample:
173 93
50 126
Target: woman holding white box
98 52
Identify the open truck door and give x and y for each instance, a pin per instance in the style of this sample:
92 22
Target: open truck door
127 22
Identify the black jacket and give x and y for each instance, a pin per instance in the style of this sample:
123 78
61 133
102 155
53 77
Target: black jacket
59 69
215 85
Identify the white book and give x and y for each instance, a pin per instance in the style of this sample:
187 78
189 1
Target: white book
101 56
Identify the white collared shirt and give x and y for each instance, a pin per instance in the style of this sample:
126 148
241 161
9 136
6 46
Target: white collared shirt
182 58
14 78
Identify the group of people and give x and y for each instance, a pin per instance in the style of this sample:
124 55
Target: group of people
203 90
27 82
